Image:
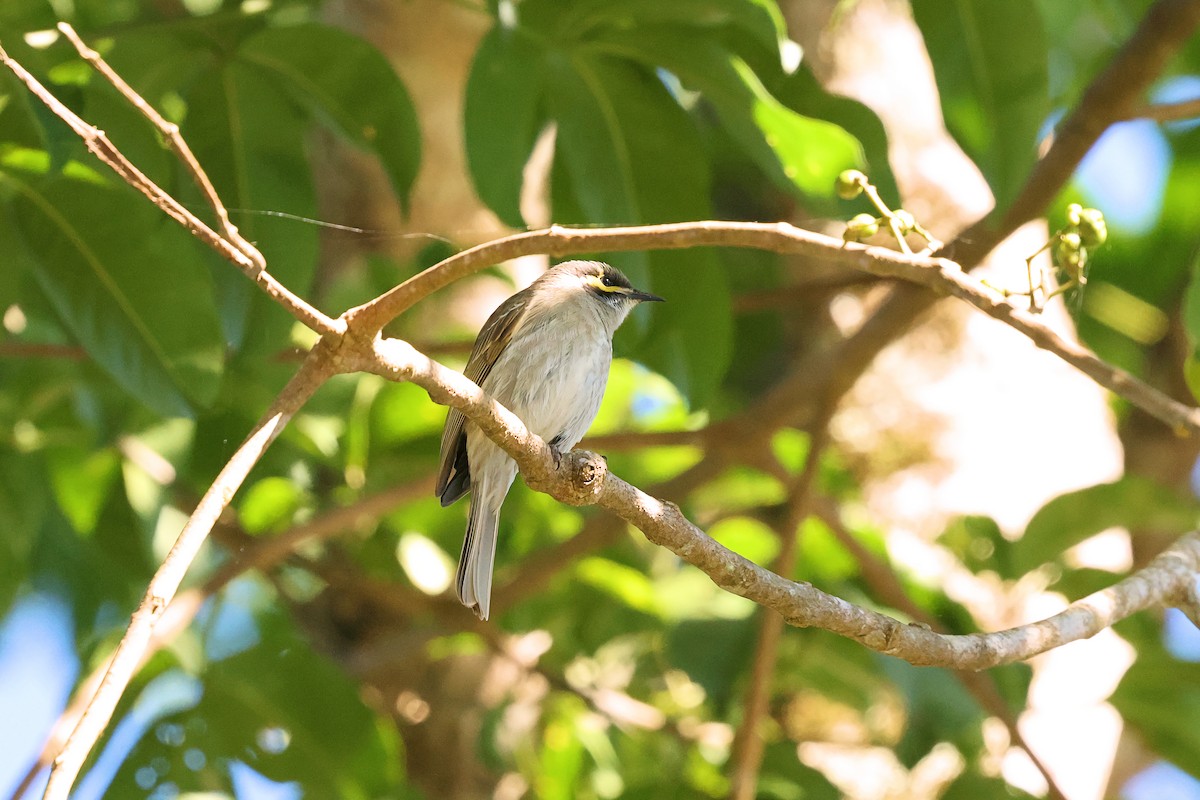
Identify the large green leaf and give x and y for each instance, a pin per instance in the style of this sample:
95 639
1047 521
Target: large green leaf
802 92
501 118
799 153
1132 502
991 64
1159 697
626 153
250 139
351 86
759 19
124 289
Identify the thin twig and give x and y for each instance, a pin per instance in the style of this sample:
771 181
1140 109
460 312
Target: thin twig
171 132
749 743
99 144
128 656
1168 112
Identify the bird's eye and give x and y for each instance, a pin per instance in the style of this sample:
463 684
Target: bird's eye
606 280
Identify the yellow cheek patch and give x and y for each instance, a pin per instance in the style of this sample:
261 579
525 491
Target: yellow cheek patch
596 283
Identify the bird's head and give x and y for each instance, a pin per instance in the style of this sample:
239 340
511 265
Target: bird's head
599 285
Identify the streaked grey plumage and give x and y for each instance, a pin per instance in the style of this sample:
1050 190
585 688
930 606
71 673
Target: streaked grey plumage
544 354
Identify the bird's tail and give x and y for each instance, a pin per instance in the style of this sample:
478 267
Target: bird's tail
478 557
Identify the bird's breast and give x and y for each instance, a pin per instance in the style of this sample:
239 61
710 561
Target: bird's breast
552 375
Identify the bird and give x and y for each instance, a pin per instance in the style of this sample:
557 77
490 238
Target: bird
544 354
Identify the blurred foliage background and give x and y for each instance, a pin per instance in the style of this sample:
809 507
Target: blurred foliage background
133 361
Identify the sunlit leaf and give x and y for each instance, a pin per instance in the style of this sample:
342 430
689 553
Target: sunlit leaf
1132 502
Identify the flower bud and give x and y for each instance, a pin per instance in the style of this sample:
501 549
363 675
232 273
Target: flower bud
1068 250
849 184
860 227
1093 230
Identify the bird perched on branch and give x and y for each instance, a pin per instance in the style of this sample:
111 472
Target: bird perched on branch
544 354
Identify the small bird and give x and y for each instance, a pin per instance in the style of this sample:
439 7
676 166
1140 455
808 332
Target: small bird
544 354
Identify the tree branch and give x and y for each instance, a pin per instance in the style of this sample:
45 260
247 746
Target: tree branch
128 656
943 276
582 478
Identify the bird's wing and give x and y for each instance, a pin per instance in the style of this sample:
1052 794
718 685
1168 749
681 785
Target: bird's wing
454 476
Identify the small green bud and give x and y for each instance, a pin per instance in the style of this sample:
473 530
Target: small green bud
1073 213
849 184
1093 230
905 220
860 227
1068 251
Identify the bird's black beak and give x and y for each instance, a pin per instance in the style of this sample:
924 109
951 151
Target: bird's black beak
644 297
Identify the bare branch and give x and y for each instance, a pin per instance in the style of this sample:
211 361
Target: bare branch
128 656
582 478
943 276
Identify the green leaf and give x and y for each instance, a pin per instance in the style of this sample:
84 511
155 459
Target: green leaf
502 119
803 93
627 153
973 785
938 709
250 140
801 154
1191 324
23 505
27 16
270 504
760 19
784 777
713 652
622 583
979 544
351 86
82 479
306 724
991 65
124 289
1159 697
1132 502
